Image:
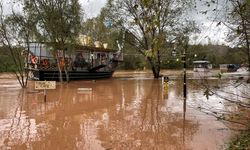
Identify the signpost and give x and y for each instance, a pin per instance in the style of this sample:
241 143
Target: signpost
45 85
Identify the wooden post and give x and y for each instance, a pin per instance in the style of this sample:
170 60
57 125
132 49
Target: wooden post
45 95
45 85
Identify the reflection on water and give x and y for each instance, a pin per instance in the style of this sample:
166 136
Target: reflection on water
118 114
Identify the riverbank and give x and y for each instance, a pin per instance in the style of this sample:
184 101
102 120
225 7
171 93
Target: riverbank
178 74
240 142
170 73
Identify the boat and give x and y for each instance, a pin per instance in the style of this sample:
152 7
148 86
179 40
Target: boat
86 62
202 66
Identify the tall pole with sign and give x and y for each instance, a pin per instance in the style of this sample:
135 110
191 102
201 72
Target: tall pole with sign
185 74
184 86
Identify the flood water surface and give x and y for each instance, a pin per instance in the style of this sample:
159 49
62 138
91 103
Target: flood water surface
118 113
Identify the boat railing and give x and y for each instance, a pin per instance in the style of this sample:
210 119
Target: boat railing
46 63
97 62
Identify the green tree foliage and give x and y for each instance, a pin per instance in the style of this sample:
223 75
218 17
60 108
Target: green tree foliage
97 29
216 54
103 29
7 64
240 142
132 58
57 23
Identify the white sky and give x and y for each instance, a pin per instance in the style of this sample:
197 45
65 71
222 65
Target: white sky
209 30
208 22
92 7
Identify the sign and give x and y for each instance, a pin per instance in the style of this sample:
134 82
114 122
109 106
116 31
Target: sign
108 23
84 90
42 85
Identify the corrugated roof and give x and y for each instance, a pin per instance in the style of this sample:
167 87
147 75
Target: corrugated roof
93 49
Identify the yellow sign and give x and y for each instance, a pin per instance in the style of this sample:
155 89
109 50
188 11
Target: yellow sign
41 85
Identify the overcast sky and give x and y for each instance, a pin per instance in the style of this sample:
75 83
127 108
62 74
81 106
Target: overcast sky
92 7
207 23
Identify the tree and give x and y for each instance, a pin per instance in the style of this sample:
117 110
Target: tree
111 35
153 23
237 19
97 29
233 95
15 31
240 21
58 23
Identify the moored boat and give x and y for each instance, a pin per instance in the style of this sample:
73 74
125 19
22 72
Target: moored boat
86 62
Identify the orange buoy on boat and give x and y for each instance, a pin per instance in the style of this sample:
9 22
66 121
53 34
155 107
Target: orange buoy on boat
34 59
45 62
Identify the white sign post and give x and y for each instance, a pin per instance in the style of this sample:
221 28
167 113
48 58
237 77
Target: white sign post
45 85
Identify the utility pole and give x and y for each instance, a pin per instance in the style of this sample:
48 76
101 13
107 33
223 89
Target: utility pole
185 74
184 87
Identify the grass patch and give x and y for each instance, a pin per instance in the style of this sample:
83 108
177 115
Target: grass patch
240 142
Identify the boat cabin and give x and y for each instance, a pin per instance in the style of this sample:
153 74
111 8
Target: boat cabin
202 66
85 62
83 58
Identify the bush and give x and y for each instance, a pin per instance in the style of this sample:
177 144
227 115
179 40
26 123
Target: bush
240 142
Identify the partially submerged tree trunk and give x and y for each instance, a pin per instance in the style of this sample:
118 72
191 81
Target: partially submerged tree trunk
26 62
154 67
66 63
156 72
59 69
62 66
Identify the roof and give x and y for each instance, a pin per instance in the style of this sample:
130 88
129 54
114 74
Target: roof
79 47
200 62
93 49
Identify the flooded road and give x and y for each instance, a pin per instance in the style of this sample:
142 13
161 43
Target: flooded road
118 113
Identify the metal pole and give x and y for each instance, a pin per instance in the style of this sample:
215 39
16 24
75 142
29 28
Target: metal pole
184 78
184 92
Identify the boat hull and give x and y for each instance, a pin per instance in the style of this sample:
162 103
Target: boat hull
48 75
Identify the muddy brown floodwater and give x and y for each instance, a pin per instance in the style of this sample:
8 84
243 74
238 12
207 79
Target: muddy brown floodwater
118 113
